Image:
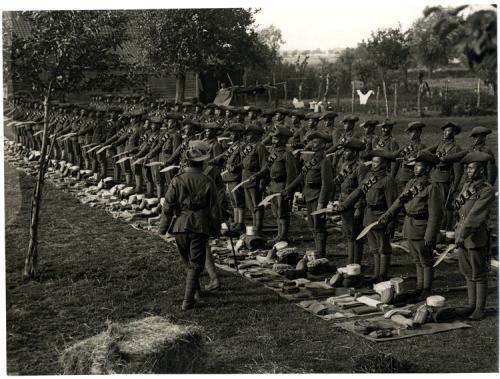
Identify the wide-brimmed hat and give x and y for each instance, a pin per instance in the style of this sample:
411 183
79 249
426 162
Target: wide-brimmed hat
329 116
281 131
427 157
253 127
480 130
211 125
323 136
477 156
455 127
199 145
369 123
382 154
236 127
196 155
387 122
350 118
414 125
354 144
312 116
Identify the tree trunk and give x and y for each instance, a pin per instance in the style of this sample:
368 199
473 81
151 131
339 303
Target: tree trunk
180 86
396 106
300 90
352 98
327 89
385 97
478 93
378 103
320 90
405 78
285 88
31 261
245 74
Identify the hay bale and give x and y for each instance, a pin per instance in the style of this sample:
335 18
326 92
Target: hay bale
149 346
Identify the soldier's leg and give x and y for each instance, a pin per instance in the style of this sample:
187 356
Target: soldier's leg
385 250
284 210
249 202
148 178
465 265
158 180
103 163
196 263
319 227
412 245
427 261
372 243
128 172
274 210
137 170
479 263
347 226
212 272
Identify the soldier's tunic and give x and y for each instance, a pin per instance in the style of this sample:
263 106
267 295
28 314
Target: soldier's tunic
232 173
389 143
131 138
253 159
317 180
474 205
410 150
349 178
370 140
380 190
422 204
192 198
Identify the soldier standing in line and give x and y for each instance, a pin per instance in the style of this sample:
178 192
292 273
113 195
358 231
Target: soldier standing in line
472 233
370 139
380 190
280 115
252 113
211 129
317 184
351 175
121 121
191 212
297 129
422 202
267 115
282 169
232 174
389 143
253 159
478 134
190 129
329 124
408 152
447 176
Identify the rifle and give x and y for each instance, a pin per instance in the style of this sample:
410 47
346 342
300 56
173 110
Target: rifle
232 247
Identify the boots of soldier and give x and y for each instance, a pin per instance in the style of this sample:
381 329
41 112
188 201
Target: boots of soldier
87 164
117 171
376 269
160 188
192 282
259 220
350 252
285 225
150 190
320 242
212 273
94 166
385 263
128 179
471 296
420 278
278 236
481 293
358 253
104 170
235 218
428 276
138 183
240 223
70 158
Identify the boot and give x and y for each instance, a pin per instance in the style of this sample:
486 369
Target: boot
471 295
87 164
210 266
94 166
104 170
192 278
236 213
320 242
160 188
128 179
350 252
358 253
428 278
285 225
150 190
278 237
376 270
117 171
259 219
481 293
385 263
420 277
138 183
240 223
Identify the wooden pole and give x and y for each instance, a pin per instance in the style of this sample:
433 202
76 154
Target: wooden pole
378 104
385 97
478 93
395 99
31 260
352 98
419 101
338 95
285 87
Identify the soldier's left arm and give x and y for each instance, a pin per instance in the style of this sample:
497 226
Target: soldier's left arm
326 183
477 215
169 207
434 205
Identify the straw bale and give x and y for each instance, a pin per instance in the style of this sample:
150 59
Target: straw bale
149 346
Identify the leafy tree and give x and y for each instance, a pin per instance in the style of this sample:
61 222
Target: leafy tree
61 48
177 40
387 48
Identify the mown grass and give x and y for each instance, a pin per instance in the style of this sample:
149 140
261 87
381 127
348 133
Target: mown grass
94 269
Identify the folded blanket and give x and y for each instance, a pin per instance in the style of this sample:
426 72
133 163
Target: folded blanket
365 309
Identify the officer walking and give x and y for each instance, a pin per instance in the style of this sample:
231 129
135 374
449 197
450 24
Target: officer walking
191 213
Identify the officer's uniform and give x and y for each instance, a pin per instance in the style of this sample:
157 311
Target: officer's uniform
422 203
380 190
192 198
472 234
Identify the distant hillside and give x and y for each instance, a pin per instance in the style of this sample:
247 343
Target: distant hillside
314 59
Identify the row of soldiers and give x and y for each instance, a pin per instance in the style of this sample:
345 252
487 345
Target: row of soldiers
366 173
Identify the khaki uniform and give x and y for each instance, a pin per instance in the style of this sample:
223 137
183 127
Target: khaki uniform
389 143
405 172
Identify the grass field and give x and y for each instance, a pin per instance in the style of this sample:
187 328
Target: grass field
94 269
